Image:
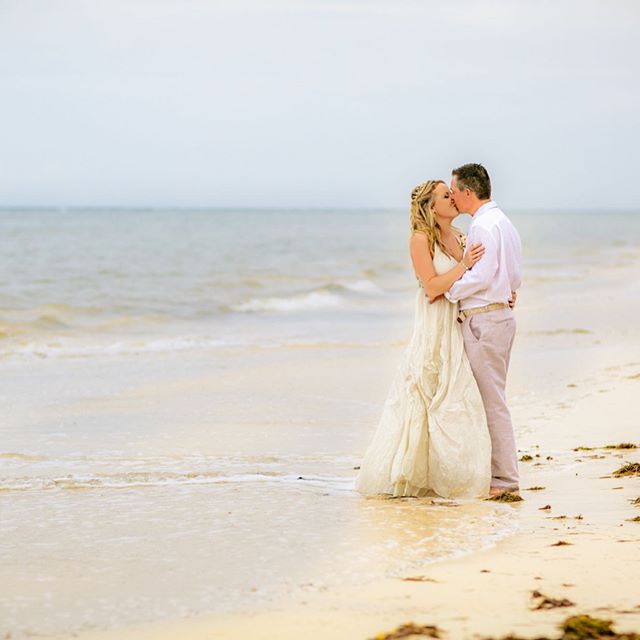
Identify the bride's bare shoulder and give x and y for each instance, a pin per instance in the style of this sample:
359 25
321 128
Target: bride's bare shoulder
418 239
419 245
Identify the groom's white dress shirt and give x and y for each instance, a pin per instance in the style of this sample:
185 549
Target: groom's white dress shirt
497 273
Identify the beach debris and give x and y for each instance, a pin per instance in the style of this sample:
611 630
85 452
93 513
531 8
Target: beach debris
578 517
636 502
485 570
558 518
418 579
357 467
445 503
535 488
583 627
621 445
409 629
506 496
561 543
545 508
629 469
636 519
572 386
526 458
549 457
545 602
512 637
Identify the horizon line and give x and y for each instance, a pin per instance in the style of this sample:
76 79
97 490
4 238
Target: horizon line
284 209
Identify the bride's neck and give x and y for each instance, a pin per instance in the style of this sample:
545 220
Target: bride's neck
445 227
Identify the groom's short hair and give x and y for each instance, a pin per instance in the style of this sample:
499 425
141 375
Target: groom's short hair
475 177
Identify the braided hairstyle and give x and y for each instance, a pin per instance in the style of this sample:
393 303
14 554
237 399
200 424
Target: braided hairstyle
423 219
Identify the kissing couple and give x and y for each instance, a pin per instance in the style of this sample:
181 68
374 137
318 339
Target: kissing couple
445 427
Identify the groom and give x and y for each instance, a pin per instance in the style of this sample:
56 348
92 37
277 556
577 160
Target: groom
486 294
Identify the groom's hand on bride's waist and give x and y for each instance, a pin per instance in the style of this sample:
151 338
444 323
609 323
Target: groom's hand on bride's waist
512 299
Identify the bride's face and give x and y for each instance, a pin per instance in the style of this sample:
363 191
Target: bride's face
442 204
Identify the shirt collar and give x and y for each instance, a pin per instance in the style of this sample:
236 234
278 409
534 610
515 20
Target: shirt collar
484 208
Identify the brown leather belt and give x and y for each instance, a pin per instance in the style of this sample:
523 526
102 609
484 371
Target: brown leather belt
465 313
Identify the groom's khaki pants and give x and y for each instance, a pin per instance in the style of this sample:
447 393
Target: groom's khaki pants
488 338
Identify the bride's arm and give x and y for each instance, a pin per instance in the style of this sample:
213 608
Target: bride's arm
433 284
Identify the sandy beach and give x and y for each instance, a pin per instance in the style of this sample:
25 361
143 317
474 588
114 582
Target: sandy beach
489 593
178 486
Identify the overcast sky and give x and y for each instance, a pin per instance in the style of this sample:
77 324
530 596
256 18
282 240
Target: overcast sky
317 102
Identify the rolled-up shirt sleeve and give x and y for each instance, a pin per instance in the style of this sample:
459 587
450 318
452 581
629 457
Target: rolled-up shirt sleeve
483 271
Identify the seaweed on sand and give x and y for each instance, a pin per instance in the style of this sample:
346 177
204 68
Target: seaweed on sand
407 630
545 602
582 627
506 496
535 488
621 445
526 458
418 579
629 469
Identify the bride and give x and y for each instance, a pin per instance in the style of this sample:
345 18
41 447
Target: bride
432 436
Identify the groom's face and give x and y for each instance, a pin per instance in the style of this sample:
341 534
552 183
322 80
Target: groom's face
460 197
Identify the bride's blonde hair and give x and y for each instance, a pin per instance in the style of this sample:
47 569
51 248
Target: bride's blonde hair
423 219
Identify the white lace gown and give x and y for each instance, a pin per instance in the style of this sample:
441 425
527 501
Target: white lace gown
432 435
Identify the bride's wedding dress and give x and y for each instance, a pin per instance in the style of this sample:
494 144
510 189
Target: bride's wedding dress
432 435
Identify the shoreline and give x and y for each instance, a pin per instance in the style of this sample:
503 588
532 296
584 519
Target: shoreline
486 592
573 380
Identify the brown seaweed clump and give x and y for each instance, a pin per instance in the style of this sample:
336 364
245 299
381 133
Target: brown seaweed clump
629 469
622 445
636 502
545 602
535 488
636 519
506 496
409 629
526 458
582 627
561 543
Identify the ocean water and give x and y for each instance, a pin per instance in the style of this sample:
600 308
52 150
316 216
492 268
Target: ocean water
90 283
186 395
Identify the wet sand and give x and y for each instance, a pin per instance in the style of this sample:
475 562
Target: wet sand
490 592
